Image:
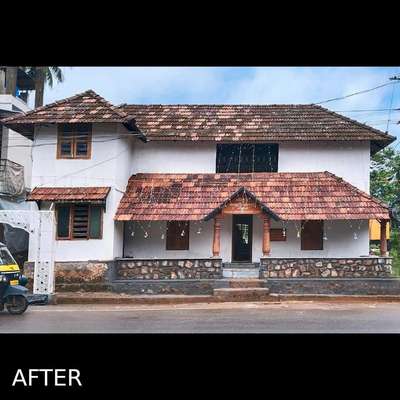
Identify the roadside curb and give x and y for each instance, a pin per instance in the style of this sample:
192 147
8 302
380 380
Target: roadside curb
101 298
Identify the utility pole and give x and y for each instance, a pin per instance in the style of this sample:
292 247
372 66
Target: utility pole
395 78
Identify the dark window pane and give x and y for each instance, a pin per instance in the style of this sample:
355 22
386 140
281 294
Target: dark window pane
66 148
63 214
177 235
95 222
246 157
81 148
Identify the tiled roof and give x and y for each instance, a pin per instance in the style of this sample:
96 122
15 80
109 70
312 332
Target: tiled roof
228 123
70 194
86 107
289 196
248 123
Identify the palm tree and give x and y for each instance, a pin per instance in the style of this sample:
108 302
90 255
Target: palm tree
42 75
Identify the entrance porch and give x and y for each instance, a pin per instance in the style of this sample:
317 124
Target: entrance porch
251 219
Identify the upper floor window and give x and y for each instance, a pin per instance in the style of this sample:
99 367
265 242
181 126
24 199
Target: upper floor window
74 141
246 157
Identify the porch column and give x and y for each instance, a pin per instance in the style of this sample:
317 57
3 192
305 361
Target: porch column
217 236
383 246
266 247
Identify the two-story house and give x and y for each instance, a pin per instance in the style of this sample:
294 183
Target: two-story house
190 192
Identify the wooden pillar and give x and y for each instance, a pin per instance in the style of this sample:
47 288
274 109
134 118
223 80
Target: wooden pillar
266 247
217 236
384 251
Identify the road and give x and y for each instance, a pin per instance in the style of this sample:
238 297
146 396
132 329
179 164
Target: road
288 317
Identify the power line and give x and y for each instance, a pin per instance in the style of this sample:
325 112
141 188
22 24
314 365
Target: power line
394 78
370 110
87 168
356 93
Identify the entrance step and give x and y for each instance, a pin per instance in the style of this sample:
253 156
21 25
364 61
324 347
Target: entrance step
246 273
243 294
246 283
241 265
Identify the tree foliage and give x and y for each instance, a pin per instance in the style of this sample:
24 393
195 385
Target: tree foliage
51 74
385 179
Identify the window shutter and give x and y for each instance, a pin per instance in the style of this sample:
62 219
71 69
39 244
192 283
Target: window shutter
312 235
80 222
63 221
278 235
95 221
177 235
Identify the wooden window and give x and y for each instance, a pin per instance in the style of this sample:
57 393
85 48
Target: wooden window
74 141
79 221
177 235
278 235
312 235
247 157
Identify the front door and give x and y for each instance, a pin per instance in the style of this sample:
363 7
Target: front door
242 238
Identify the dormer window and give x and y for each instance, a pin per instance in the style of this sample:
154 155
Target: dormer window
247 157
74 141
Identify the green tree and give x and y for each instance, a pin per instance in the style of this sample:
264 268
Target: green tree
41 76
385 178
385 185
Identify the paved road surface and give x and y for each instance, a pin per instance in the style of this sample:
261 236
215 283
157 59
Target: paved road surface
226 318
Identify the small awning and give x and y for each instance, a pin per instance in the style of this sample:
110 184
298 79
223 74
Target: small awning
284 195
70 194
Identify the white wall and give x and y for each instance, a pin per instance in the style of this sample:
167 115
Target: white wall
113 161
340 240
174 157
108 166
348 160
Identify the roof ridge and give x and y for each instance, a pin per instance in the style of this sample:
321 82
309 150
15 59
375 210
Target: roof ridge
359 191
122 114
219 104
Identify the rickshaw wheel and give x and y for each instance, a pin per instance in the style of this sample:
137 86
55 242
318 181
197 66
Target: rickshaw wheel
16 304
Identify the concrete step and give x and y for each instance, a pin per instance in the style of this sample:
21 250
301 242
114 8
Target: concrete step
246 283
117 298
243 294
241 273
241 265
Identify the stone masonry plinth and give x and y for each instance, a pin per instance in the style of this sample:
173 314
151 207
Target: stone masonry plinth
360 267
209 268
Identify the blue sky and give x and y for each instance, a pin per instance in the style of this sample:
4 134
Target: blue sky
270 85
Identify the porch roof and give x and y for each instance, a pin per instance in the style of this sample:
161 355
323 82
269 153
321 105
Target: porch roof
69 194
287 196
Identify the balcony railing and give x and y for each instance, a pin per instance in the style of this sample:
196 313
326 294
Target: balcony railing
11 178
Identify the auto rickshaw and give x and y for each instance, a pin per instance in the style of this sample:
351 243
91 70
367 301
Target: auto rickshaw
13 293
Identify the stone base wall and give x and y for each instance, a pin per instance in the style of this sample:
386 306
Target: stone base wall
141 269
360 267
335 286
77 275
